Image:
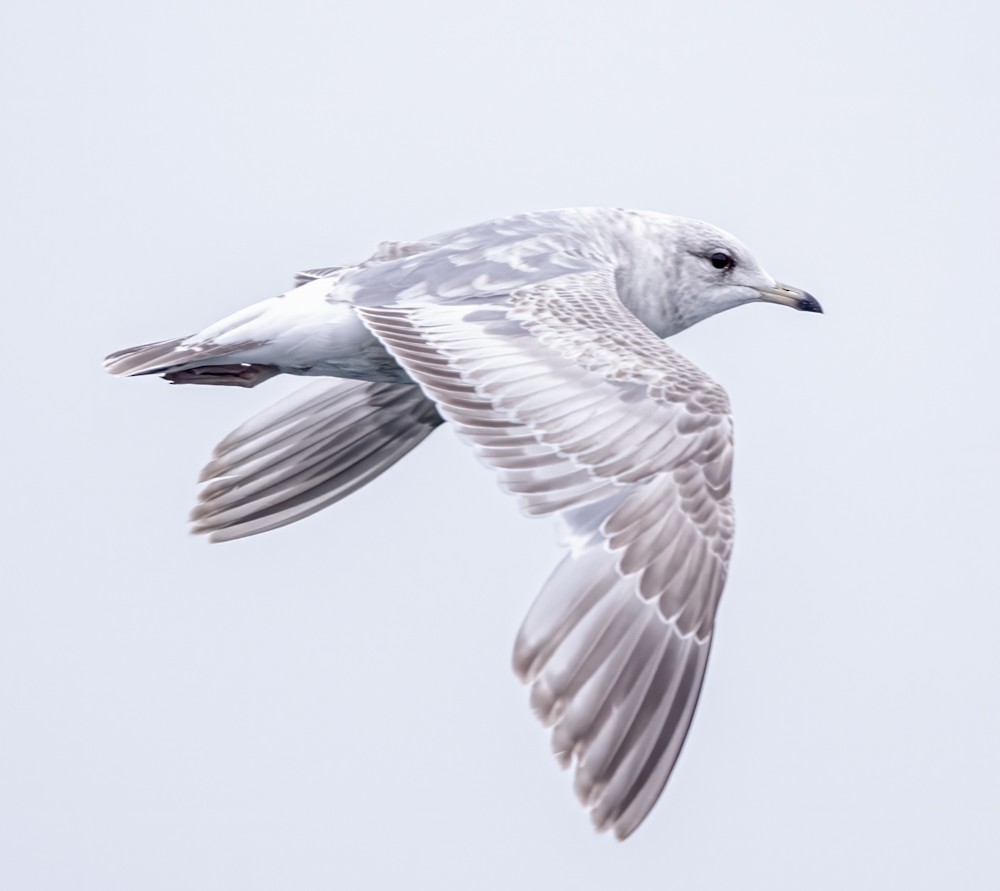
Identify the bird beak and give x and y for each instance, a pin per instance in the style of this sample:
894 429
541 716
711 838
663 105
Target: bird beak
786 295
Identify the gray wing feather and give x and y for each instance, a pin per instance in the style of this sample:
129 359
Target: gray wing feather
479 262
384 253
585 414
310 275
307 452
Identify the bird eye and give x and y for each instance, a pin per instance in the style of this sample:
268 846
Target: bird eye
721 261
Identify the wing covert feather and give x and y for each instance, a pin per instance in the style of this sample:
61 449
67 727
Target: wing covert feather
584 413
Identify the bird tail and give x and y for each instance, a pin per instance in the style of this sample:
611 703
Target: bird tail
189 361
224 346
147 358
306 452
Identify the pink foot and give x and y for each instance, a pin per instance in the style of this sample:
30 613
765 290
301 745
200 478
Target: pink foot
224 375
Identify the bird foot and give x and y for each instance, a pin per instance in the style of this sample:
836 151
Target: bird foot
241 375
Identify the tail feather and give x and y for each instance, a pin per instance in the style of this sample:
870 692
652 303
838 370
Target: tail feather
307 452
135 360
172 356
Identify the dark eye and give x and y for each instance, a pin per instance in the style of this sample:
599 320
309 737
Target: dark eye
722 261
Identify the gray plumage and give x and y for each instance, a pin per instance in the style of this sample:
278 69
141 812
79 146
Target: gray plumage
539 338
307 452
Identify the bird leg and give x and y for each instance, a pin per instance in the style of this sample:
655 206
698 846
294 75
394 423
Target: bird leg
241 375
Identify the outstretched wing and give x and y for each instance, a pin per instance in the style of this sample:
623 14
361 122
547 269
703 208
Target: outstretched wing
308 451
586 414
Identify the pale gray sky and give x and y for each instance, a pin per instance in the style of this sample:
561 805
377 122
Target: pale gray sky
331 704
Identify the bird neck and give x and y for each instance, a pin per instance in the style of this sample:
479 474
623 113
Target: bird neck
644 256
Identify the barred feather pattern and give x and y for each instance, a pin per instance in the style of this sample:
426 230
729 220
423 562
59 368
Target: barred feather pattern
307 452
586 415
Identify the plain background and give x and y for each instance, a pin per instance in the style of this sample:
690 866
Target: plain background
331 705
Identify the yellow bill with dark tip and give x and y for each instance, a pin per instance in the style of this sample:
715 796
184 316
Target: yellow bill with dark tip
786 295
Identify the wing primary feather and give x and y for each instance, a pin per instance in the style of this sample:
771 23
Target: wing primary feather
308 452
584 413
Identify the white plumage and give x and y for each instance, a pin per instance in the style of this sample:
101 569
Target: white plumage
539 338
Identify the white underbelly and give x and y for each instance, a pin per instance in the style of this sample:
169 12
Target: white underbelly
304 332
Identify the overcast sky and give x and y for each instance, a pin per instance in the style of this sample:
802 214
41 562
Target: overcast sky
331 705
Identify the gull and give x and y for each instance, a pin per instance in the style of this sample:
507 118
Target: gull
540 339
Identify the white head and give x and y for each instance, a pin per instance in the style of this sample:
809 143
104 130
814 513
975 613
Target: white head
694 270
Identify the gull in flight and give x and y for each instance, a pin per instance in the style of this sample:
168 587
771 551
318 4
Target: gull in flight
539 337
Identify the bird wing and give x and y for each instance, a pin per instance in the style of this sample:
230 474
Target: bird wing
585 414
310 275
386 252
306 452
479 262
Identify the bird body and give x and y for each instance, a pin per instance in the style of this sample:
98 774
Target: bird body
539 337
